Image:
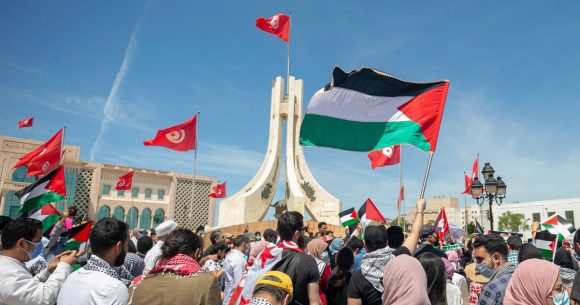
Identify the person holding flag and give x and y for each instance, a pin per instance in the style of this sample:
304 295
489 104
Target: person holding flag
430 242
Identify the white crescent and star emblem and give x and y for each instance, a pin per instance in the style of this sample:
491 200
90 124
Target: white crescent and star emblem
121 182
441 223
45 166
388 152
176 136
274 22
42 152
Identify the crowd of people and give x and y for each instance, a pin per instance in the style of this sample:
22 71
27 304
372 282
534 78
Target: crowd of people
290 264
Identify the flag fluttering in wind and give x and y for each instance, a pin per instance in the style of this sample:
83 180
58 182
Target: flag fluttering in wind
365 110
475 169
387 156
26 122
558 225
442 225
44 158
277 25
50 188
468 183
78 235
218 191
401 197
180 137
478 228
125 182
546 242
48 215
348 217
368 212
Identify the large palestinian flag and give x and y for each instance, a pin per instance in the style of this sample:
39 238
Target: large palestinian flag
78 235
49 188
366 110
557 224
48 215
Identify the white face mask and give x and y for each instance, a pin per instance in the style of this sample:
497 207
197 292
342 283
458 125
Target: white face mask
37 250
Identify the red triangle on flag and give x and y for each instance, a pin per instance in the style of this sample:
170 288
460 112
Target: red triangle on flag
57 183
353 215
48 209
553 220
372 213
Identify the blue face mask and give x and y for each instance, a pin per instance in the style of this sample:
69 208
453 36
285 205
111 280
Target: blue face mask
484 269
561 298
38 247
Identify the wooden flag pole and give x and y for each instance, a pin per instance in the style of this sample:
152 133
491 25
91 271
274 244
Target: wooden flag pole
424 186
193 181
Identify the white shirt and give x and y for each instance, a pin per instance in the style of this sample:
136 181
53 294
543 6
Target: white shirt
151 257
20 287
234 266
89 287
453 294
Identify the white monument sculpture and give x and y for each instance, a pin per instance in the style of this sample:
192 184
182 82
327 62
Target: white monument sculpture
303 193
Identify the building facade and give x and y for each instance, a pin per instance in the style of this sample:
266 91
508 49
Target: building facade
155 195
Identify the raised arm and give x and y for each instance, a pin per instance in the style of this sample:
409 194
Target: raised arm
411 241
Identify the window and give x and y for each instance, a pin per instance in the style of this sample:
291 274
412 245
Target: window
160 194
536 217
147 193
106 189
135 192
121 193
551 213
570 217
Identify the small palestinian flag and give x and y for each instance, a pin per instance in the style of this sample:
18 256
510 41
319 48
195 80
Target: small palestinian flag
348 217
369 212
48 215
78 235
50 188
546 242
557 224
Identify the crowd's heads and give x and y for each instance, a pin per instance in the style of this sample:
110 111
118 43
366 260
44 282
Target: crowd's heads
22 236
72 211
241 242
564 259
536 282
436 277
529 251
322 227
181 241
404 281
144 244
216 237
396 236
164 228
200 230
258 235
4 220
577 241
316 247
491 249
376 237
429 235
110 238
291 227
270 235
514 242
274 286
344 259
355 245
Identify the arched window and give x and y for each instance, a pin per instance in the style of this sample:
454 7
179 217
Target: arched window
19 175
159 217
119 213
104 212
132 217
145 221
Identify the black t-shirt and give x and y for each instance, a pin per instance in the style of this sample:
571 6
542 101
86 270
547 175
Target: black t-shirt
303 270
361 288
426 248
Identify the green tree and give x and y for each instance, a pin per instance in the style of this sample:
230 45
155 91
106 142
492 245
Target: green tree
470 228
513 222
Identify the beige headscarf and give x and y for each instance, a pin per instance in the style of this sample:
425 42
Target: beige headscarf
532 282
315 247
405 282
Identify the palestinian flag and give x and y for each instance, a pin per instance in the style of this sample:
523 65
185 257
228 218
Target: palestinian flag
49 188
48 215
366 110
348 217
78 235
546 242
368 212
478 228
558 225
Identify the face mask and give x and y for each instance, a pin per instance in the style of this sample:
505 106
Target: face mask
258 237
37 250
484 269
120 259
561 298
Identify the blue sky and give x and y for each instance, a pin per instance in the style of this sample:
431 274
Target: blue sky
115 71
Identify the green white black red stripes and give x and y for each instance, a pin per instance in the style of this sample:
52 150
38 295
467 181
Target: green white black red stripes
78 235
48 215
50 188
546 242
348 217
557 224
366 110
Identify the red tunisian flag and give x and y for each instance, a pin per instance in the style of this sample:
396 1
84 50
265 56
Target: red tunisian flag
125 182
387 156
475 169
442 225
401 197
180 137
278 25
468 182
219 191
25 123
44 158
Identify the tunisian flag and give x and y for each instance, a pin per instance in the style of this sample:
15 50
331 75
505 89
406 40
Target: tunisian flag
44 158
125 182
387 156
180 137
25 123
401 197
468 182
475 168
278 25
442 225
219 191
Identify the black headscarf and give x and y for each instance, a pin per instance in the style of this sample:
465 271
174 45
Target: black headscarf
564 259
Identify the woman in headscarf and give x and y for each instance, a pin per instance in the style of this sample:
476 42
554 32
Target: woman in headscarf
536 282
315 248
405 282
258 247
564 259
455 295
337 289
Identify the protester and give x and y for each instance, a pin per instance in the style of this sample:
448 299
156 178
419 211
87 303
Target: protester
528 251
564 259
455 294
430 243
69 214
38 263
477 281
357 247
329 255
315 248
162 230
135 236
144 244
396 237
215 237
575 292
258 236
514 243
200 231
337 288
322 227
215 267
132 267
270 235
490 253
234 266
436 278
536 282
4 221
456 279
255 251
19 240
577 247
98 282
404 282
273 288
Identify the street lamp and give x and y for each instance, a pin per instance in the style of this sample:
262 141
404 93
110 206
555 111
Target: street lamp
494 189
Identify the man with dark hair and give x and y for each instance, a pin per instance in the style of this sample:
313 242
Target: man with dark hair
20 238
396 236
234 266
273 288
365 285
514 243
144 244
215 237
98 282
430 241
358 249
270 235
322 226
490 254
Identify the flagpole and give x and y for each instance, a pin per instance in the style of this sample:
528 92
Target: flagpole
400 182
194 162
422 194
288 63
31 130
62 145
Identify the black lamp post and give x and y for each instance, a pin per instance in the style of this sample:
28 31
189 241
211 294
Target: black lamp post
494 190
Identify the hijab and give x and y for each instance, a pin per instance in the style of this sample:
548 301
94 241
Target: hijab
531 283
405 282
449 268
257 248
315 247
